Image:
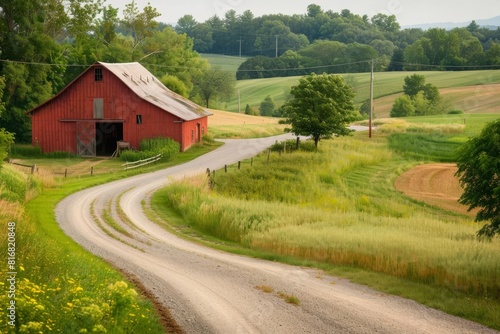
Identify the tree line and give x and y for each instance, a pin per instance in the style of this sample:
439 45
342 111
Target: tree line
338 42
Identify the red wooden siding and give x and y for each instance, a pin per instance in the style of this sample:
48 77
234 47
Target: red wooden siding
54 123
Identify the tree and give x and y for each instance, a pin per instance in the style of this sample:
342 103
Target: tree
479 173
268 107
215 83
321 106
413 84
27 29
140 25
403 107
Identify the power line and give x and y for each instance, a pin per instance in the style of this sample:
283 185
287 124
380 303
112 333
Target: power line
269 69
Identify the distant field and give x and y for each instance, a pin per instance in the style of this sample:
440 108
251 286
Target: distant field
253 92
482 99
227 63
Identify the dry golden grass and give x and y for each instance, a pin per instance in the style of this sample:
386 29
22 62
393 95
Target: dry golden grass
11 210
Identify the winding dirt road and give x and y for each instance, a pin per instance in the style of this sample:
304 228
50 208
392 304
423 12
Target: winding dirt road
208 291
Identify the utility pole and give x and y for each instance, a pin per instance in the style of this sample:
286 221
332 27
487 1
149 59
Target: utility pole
240 47
371 102
276 45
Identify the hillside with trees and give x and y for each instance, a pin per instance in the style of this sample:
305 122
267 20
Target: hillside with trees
326 41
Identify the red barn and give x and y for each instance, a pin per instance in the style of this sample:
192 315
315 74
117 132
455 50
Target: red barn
115 102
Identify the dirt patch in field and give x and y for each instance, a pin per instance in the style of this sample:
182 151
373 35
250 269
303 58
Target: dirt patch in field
435 184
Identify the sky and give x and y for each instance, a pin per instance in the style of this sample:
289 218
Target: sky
408 12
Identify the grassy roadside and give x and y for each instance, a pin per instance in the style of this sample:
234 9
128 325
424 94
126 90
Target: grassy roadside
61 287
316 209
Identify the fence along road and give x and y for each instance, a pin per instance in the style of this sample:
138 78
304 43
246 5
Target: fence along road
209 291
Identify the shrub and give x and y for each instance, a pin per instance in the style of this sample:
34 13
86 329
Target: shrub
456 112
208 139
403 107
25 151
291 145
151 147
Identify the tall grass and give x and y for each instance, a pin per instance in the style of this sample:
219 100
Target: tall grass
60 287
338 206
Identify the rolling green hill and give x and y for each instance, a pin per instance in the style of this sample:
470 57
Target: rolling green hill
227 63
253 92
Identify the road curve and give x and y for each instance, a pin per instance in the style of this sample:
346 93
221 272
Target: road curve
209 291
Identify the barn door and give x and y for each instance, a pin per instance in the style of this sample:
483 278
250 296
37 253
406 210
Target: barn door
85 139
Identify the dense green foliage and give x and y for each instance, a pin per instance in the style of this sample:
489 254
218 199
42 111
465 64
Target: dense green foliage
6 141
268 107
327 41
253 36
479 171
321 106
419 98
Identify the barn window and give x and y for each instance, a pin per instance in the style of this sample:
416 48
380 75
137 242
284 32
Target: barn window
98 74
138 119
98 108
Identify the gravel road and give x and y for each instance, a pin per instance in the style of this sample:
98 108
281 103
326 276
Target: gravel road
209 291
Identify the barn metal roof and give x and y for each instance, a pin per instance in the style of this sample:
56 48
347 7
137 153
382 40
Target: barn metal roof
149 88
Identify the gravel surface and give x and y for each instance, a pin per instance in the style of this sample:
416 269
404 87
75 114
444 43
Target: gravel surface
209 291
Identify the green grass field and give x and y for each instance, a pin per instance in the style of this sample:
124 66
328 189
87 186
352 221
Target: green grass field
226 63
253 92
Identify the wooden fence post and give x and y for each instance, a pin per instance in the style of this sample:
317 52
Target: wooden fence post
33 169
65 173
298 142
239 164
225 168
92 170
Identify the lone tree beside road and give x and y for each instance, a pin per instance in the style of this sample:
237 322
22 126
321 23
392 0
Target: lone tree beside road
321 107
479 172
